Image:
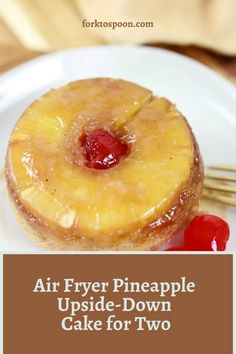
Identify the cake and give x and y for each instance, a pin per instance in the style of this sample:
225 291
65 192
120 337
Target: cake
103 164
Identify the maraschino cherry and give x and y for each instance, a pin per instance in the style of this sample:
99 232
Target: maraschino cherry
102 149
205 233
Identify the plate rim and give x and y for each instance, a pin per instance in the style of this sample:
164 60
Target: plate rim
213 75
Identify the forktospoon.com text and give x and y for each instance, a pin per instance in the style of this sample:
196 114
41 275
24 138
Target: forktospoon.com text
116 24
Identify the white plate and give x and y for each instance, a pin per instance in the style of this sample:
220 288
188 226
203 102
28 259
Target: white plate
205 98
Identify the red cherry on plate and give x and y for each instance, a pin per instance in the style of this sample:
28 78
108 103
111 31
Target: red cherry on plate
102 149
206 233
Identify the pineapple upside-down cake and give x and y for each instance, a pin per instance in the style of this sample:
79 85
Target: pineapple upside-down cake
102 164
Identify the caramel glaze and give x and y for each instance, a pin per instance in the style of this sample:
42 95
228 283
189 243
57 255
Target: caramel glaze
158 232
179 213
150 237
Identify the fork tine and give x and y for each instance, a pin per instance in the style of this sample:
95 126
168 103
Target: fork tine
220 187
220 177
210 186
223 168
219 198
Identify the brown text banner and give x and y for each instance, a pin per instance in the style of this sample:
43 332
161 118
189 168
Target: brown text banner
118 304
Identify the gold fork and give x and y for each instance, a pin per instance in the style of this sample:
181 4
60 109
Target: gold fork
218 184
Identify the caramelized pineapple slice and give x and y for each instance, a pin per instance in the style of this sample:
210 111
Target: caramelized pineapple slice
69 198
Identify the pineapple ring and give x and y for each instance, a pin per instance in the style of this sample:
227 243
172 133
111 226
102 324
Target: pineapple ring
137 204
